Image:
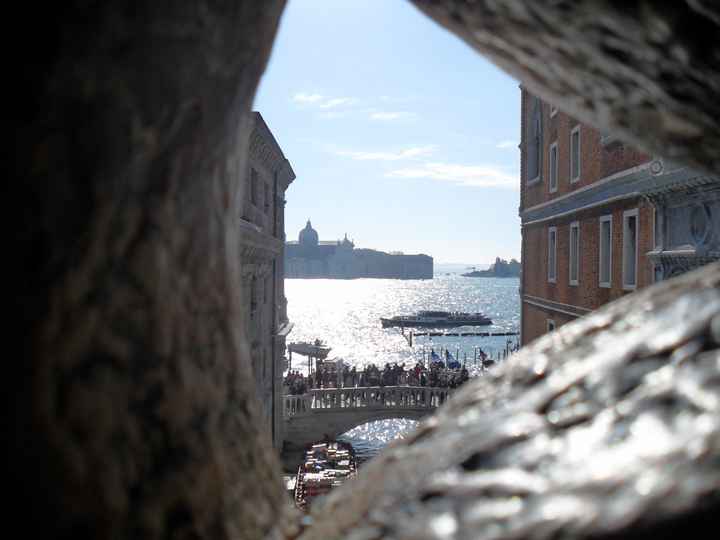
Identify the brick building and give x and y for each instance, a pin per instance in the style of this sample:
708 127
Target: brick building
601 219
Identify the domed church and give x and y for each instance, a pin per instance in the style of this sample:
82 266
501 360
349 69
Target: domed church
308 236
310 257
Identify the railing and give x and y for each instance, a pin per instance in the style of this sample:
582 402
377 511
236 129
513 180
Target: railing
395 397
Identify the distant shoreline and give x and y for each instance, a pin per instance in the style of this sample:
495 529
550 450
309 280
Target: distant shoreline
485 273
501 268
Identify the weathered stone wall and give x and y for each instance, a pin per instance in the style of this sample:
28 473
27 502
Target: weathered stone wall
131 412
132 401
261 257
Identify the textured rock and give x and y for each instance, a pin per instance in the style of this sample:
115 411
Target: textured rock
608 426
130 407
134 414
646 71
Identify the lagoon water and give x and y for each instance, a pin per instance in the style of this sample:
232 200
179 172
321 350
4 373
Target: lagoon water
346 315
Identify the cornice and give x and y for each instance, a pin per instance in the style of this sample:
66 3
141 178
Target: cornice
693 185
639 182
575 311
264 152
266 149
257 246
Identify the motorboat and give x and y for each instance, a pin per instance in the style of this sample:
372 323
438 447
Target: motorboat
326 466
436 319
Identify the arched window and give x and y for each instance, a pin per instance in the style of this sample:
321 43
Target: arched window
534 143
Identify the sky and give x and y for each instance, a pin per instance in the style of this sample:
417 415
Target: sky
400 135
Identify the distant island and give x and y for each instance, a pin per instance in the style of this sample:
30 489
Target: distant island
310 257
501 268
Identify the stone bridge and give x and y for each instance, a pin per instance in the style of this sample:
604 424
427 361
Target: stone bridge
333 411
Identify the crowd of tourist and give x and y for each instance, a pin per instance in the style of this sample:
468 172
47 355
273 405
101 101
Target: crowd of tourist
438 374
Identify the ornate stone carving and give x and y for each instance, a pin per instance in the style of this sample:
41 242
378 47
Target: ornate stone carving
263 152
657 166
687 234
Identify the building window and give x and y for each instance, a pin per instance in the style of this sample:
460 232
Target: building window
575 154
254 187
605 255
534 148
574 253
552 254
630 248
550 325
553 167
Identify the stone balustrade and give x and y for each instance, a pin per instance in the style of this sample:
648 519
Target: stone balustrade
397 397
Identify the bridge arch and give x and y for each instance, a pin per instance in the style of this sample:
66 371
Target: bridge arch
332 412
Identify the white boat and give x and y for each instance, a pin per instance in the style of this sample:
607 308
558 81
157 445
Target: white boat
436 319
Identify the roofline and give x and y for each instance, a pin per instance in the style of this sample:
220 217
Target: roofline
259 123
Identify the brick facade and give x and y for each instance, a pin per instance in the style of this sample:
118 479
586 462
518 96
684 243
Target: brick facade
603 161
597 160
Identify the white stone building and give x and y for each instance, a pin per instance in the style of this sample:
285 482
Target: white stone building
262 224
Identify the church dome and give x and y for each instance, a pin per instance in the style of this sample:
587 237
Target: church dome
308 236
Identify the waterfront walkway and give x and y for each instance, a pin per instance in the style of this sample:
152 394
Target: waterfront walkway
311 416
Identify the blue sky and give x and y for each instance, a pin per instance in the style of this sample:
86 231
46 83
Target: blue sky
399 133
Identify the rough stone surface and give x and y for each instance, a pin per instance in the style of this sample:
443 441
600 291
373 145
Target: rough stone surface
608 426
646 71
133 408
130 409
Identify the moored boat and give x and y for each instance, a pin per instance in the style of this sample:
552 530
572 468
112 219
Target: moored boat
436 319
326 466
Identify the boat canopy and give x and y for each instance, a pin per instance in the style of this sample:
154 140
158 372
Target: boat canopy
313 350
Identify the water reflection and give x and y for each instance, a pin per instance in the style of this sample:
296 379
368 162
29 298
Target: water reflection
346 315
368 439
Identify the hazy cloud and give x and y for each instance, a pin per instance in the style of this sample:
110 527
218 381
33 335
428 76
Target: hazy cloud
307 98
333 114
506 144
463 175
336 102
408 153
323 102
390 115
396 99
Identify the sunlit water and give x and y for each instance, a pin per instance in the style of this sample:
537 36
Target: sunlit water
345 314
